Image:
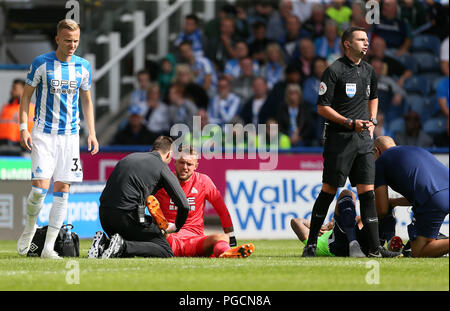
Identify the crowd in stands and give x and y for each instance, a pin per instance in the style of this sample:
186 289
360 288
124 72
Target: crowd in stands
260 62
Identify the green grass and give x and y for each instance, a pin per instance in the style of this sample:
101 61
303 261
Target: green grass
275 265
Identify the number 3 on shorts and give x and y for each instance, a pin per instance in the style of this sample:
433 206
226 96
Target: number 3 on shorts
76 167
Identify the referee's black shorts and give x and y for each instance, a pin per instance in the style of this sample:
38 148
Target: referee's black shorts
348 154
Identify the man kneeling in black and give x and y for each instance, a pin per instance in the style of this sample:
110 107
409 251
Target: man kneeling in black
122 205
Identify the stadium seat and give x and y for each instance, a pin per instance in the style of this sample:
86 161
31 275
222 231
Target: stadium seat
408 61
416 103
427 62
426 107
426 43
418 84
397 125
434 126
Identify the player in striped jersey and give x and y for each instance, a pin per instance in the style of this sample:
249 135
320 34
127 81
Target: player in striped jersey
60 79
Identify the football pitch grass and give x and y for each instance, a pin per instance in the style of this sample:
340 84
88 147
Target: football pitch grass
276 265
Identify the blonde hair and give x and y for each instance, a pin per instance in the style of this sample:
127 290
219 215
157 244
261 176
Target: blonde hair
275 47
182 68
69 24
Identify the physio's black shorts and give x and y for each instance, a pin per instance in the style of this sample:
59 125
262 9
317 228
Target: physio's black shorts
348 154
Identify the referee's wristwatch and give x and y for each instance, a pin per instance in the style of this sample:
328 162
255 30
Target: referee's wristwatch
374 121
350 123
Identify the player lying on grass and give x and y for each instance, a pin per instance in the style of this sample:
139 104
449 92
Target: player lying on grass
344 236
423 182
191 241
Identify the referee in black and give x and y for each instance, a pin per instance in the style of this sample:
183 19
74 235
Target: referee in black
348 101
122 203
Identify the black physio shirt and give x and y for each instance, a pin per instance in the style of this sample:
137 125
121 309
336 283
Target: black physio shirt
347 88
139 175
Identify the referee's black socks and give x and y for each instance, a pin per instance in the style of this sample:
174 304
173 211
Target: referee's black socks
369 218
319 212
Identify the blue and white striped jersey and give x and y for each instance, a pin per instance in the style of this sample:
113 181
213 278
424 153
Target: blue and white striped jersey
223 110
203 66
57 86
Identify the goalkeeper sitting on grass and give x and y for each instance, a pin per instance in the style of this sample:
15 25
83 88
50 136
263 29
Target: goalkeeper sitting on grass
344 236
190 241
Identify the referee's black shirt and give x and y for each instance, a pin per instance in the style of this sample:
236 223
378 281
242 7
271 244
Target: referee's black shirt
347 88
139 175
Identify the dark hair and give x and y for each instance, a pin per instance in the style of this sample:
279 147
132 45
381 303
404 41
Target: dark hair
258 24
292 69
19 81
163 144
184 42
347 35
375 58
228 9
142 72
193 17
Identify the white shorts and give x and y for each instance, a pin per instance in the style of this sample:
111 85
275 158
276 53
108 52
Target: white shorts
56 156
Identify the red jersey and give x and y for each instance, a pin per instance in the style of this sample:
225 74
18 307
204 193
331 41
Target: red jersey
198 189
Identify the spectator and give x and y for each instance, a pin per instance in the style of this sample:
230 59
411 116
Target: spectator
358 18
225 105
392 67
212 27
138 96
166 73
250 112
396 32
413 134
260 12
241 24
340 13
329 45
437 15
381 129
203 69
239 136
242 85
276 25
192 91
276 95
207 133
134 132
193 33
390 94
315 25
305 57
312 84
181 110
257 45
442 96
283 141
156 113
294 32
444 57
9 120
302 9
273 70
232 67
221 49
295 119
414 12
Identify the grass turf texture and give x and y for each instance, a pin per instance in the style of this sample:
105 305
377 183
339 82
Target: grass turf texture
275 265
